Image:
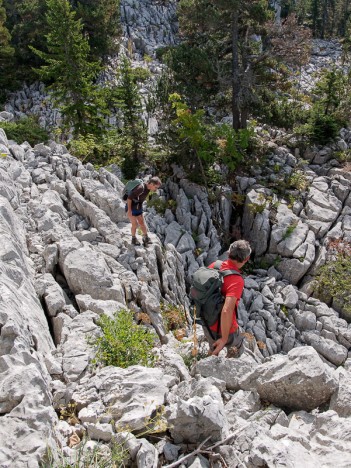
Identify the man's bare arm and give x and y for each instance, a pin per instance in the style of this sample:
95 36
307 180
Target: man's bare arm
226 323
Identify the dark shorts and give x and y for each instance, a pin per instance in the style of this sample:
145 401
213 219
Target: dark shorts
134 212
216 336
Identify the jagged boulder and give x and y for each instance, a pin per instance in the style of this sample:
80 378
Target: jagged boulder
197 418
299 380
228 370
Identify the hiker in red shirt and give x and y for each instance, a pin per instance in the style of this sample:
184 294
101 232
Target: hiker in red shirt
227 333
134 208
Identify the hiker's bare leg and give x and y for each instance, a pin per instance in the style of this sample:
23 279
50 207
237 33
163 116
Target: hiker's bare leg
142 225
133 220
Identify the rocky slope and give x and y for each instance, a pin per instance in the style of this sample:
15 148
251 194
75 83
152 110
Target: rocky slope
66 258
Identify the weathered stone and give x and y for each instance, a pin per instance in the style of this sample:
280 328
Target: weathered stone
229 370
299 380
333 352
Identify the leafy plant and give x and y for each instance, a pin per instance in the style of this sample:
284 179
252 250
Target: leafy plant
193 358
122 342
107 148
257 208
207 143
161 205
298 180
343 156
26 129
334 281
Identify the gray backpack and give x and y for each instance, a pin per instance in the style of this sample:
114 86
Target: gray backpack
206 292
129 187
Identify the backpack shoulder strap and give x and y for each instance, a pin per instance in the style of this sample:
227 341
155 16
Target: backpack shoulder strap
217 265
230 272
137 186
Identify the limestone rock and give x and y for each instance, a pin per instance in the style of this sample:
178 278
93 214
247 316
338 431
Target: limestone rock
299 380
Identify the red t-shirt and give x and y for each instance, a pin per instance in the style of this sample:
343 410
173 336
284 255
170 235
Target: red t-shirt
233 286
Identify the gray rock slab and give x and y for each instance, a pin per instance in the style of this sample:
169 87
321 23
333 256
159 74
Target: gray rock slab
299 380
333 352
229 370
196 419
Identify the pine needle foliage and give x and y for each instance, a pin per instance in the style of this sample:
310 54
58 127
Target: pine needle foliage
69 70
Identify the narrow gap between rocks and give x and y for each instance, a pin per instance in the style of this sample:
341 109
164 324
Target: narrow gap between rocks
61 280
48 319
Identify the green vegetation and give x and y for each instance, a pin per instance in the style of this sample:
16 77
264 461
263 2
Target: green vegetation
6 54
298 180
208 144
99 150
290 229
191 359
123 343
106 14
334 282
66 62
127 99
161 205
27 25
173 317
26 129
114 455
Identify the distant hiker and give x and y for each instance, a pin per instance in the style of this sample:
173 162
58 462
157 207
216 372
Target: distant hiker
225 331
135 194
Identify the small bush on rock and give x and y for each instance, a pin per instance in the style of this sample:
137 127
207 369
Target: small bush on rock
334 281
174 319
26 129
123 343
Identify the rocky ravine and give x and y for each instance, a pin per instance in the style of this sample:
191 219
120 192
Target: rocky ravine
66 258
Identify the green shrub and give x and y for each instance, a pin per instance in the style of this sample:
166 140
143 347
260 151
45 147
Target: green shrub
123 343
101 150
161 205
320 128
324 128
280 111
26 129
334 281
298 180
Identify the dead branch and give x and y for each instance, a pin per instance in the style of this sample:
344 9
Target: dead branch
208 449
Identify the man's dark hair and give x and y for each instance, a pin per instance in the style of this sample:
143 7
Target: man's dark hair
239 250
155 181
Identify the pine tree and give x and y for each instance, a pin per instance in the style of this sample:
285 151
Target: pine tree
27 26
224 29
134 130
239 39
6 53
101 20
68 68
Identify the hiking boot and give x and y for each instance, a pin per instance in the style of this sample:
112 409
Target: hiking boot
146 240
135 241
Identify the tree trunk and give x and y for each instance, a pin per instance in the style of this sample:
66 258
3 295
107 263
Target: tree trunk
235 71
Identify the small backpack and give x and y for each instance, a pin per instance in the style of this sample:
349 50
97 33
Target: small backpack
129 187
206 292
